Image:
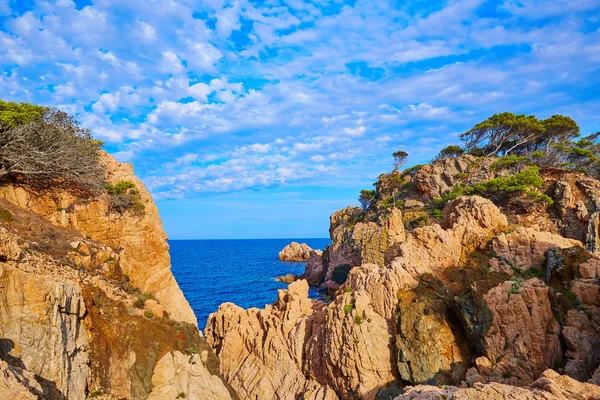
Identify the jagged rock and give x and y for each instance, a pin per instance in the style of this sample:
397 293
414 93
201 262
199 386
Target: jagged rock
43 320
581 335
428 349
144 254
261 352
289 278
549 386
354 244
177 373
313 271
523 339
468 222
525 248
577 199
295 252
433 180
16 383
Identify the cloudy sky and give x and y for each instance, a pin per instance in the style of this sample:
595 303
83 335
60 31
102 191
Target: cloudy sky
259 118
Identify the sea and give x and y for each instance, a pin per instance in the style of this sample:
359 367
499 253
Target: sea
211 272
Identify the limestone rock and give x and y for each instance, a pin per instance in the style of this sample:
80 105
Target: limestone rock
581 335
144 254
177 373
428 349
523 339
550 386
295 252
18 384
435 179
525 248
313 271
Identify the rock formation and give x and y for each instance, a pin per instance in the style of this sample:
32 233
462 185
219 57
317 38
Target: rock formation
483 294
295 252
88 305
550 386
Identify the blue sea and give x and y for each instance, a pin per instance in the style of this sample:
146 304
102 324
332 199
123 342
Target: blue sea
211 272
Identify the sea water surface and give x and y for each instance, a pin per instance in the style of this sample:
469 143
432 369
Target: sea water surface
211 272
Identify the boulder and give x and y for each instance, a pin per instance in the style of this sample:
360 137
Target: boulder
295 252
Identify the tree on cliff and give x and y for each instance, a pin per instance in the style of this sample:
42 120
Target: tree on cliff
44 147
366 198
451 151
399 159
518 134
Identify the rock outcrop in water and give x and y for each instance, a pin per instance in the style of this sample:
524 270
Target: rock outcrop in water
484 293
88 304
295 252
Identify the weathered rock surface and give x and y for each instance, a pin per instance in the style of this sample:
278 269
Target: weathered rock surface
295 252
314 272
524 339
144 252
550 386
348 346
428 349
72 324
16 383
525 248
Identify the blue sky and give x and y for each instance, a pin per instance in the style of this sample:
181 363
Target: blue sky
258 119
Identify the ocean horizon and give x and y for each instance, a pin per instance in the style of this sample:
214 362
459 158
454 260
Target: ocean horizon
241 271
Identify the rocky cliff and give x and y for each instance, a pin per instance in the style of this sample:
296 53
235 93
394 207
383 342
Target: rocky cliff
88 305
467 272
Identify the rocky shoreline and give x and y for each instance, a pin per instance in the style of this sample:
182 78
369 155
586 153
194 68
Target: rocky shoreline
492 297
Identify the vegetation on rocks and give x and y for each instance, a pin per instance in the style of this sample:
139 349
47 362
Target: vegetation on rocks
44 147
124 197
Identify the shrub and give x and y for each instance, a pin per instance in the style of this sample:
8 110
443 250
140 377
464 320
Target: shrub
541 197
140 299
417 222
45 148
124 197
181 395
451 151
509 162
348 308
148 314
518 182
366 198
358 319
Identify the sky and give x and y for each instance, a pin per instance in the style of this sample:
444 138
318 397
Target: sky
258 119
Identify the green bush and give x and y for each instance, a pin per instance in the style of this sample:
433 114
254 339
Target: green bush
124 197
148 314
541 197
348 308
509 162
519 182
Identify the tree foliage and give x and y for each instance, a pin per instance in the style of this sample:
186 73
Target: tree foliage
451 151
13 115
124 197
366 198
399 159
44 147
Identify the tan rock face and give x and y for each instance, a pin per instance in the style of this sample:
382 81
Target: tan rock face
144 255
295 252
297 345
428 348
41 317
550 386
433 180
178 373
581 335
523 340
525 248
262 351
314 272
16 383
